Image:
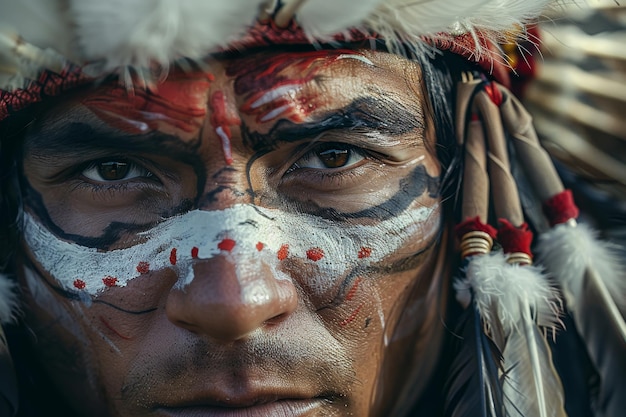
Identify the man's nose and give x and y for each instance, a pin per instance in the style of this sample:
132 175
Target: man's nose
227 301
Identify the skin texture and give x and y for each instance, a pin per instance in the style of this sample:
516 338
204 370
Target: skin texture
315 143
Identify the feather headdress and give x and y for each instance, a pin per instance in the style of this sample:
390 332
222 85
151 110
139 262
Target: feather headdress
138 32
48 46
137 36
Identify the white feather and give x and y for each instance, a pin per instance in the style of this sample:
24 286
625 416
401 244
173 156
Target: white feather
531 384
514 303
567 251
8 300
21 62
424 17
323 18
502 291
402 22
140 32
592 276
42 23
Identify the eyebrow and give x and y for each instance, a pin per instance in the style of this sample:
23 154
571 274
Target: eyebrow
81 140
381 114
76 137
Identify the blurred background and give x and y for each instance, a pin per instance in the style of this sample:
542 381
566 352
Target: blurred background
578 101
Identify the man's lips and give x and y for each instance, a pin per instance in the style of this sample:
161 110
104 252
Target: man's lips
264 401
256 407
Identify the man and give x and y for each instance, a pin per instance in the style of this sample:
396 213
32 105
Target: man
252 222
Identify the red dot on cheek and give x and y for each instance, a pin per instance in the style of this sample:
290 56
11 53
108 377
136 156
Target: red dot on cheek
80 284
194 252
226 244
109 281
283 252
365 252
173 256
315 254
260 246
143 267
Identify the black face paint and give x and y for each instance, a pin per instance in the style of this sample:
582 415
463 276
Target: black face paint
389 117
111 234
73 140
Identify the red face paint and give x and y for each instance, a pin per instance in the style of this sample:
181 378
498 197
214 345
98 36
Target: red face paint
143 267
194 252
80 284
260 246
315 254
352 291
365 252
226 244
112 329
173 256
109 281
271 92
221 120
352 316
283 252
179 102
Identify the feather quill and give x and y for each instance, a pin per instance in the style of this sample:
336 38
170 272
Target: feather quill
473 385
8 300
592 281
514 303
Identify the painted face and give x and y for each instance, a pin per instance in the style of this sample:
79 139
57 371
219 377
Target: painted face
259 238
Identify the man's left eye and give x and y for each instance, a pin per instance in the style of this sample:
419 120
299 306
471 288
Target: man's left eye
114 170
329 156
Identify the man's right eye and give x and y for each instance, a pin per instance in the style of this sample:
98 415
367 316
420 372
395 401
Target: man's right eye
115 170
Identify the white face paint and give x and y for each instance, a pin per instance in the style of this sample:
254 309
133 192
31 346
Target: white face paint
251 236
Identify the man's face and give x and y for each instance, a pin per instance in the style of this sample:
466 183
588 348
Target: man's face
258 237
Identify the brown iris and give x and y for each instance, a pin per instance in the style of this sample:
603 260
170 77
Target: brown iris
334 157
113 170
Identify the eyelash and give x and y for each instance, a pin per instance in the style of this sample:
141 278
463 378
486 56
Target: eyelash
103 188
332 178
313 151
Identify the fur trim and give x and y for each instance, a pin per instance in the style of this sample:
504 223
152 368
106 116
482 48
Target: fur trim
21 62
567 251
8 300
139 33
429 17
498 288
323 18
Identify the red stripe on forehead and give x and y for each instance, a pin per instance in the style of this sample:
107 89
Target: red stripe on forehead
260 76
180 103
263 71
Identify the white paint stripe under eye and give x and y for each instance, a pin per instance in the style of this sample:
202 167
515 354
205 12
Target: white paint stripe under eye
260 236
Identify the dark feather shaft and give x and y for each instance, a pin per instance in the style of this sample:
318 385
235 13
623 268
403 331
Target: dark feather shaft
473 385
8 382
606 346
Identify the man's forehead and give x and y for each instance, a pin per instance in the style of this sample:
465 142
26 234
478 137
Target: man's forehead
186 93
